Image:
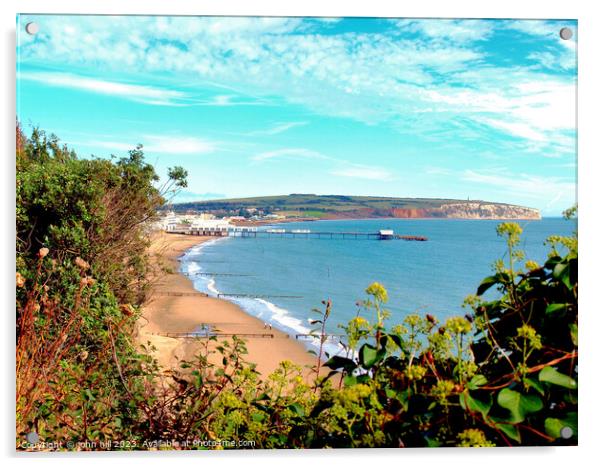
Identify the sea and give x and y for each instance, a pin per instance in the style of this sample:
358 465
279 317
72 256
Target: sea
294 276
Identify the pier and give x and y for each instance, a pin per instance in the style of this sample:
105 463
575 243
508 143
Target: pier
291 234
282 233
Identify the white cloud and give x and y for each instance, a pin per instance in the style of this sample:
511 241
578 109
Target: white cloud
110 145
522 130
178 145
450 29
363 172
524 185
432 81
341 168
277 129
535 27
144 94
221 100
159 144
289 153
541 111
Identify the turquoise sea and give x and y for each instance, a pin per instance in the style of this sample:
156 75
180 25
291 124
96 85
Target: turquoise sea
426 277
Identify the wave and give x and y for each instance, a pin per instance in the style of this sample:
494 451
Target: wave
280 318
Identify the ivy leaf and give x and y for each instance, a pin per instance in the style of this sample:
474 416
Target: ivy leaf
510 430
471 403
432 443
297 409
574 334
395 338
477 381
338 362
565 271
556 307
487 283
553 427
551 375
519 404
349 380
369 356
535 385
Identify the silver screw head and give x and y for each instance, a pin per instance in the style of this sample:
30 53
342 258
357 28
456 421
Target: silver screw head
566 33
566 432
32 28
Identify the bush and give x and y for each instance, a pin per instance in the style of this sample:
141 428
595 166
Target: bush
503 374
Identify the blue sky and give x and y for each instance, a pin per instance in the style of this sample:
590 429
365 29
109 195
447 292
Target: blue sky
261 106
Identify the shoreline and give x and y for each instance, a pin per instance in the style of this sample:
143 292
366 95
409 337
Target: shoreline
185 313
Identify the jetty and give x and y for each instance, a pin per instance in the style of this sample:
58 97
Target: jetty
283 233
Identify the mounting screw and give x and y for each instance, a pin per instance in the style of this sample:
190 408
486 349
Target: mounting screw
566 33
32 28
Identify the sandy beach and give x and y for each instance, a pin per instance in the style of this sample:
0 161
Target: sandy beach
174 314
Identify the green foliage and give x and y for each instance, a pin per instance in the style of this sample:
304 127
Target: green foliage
81 272
503 374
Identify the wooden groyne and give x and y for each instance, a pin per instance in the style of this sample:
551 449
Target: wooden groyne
261 296
212 334
329 336
181 293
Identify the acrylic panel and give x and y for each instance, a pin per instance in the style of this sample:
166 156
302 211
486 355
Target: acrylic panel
295 232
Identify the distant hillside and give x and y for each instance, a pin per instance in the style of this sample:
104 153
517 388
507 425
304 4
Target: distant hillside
336 207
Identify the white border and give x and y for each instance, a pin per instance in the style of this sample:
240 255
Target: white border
590 78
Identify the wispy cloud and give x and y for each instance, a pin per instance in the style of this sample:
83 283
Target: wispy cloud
522 130
476 90
338 167
363 172
225 100
289 153
185 196
449 29
144 94
178 145
414 67
535 27
277 129
158 144
524 185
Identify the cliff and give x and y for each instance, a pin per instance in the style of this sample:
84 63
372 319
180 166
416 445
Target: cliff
312 206
471 210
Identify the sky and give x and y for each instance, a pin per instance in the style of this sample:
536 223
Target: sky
479 109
